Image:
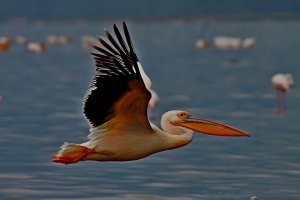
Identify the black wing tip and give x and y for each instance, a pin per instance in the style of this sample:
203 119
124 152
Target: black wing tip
119 46
108 35
114 70
115 26
101 40
124 24
94 54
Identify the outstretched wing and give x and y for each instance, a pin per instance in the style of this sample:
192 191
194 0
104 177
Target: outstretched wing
117 88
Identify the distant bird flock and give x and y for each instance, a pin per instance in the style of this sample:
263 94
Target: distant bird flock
87 42
225 42
40 46
280 82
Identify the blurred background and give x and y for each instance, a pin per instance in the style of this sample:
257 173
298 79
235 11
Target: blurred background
214 58
98 10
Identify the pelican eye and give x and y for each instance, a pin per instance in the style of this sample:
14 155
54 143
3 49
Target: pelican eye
183 115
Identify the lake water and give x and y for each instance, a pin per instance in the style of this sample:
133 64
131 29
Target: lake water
43 100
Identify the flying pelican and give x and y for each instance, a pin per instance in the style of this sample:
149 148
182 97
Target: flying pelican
116 108
281 83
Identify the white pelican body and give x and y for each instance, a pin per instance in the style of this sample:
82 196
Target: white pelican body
116 108
36 47
135 142
223 42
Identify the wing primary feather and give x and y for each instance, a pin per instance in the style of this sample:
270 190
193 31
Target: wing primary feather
114 43
96 55
105 72
105 62
119 69
132 53
113 69
101 62
109 62
120 38
127 36
117 76
120 66
102 58
108 47
103 51
108 69
127 65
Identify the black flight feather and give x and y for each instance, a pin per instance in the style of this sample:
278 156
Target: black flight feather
116 66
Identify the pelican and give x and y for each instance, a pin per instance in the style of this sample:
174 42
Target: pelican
20 39
88 41
223 42
5 43
202 44
116 108
248 43
281 83
58 39
36 47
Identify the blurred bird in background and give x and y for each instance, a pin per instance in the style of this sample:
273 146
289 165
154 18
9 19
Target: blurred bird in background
282 83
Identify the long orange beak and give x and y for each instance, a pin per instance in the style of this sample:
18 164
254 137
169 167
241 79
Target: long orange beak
210 127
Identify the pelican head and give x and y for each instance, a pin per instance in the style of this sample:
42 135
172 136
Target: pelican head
180 122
